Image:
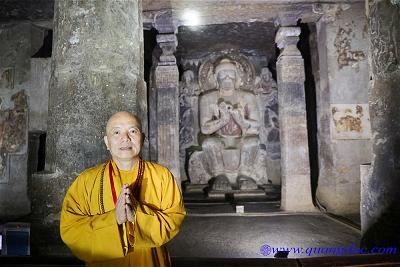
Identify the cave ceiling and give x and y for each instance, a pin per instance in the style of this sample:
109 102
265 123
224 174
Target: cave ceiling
209 9
251 38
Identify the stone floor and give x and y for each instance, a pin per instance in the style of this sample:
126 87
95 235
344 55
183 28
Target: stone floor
216 231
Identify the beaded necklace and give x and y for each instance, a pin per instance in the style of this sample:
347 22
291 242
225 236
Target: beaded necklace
135 188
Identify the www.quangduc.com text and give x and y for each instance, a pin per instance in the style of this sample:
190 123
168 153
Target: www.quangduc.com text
267 250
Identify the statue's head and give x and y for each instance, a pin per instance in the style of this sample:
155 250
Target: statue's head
266 74
226 75
188 77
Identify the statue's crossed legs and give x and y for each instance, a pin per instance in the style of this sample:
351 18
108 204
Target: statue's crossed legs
231 155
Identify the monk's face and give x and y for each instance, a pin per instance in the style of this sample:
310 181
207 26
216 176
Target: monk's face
124 136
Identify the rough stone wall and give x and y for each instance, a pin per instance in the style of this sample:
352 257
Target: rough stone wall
26 10
343 79
18 41
381 186
97 70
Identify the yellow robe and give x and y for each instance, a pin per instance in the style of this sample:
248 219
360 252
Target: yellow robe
89 228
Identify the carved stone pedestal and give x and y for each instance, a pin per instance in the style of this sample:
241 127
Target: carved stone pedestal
259 194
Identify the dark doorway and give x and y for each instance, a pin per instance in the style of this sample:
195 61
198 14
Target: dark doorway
149 37
46 49
305 45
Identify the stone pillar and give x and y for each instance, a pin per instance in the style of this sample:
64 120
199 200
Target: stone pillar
97 69
380 204
296 184
167 91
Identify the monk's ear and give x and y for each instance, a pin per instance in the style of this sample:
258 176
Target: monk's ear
106 142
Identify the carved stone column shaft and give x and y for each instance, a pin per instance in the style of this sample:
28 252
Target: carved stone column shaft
167 87
296 184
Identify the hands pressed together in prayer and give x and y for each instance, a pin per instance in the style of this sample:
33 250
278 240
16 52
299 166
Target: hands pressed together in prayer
124 208
226 110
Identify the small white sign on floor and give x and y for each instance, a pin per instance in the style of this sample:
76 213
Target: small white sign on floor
239 209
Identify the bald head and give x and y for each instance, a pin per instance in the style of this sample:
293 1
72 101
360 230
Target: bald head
123 117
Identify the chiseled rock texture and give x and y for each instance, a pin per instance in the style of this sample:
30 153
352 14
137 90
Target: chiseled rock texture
380 196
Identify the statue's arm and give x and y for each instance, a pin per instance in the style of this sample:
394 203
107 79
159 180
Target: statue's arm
254 119
248 116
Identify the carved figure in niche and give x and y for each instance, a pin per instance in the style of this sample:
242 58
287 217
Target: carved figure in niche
188 85
265 84
230 120
267 92
188 119
187 89
12 129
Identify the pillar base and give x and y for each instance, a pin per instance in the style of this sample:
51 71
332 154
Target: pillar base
48 190
297 196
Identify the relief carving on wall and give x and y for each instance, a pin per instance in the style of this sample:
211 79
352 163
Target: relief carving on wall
188 117
267 91
329 12
7 78
227 135
13 123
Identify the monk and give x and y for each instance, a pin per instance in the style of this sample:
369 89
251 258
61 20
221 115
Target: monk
123 211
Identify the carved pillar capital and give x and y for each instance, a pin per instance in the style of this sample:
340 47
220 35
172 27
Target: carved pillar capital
168 44
164 22
287 18
290 62
287 39
167 74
